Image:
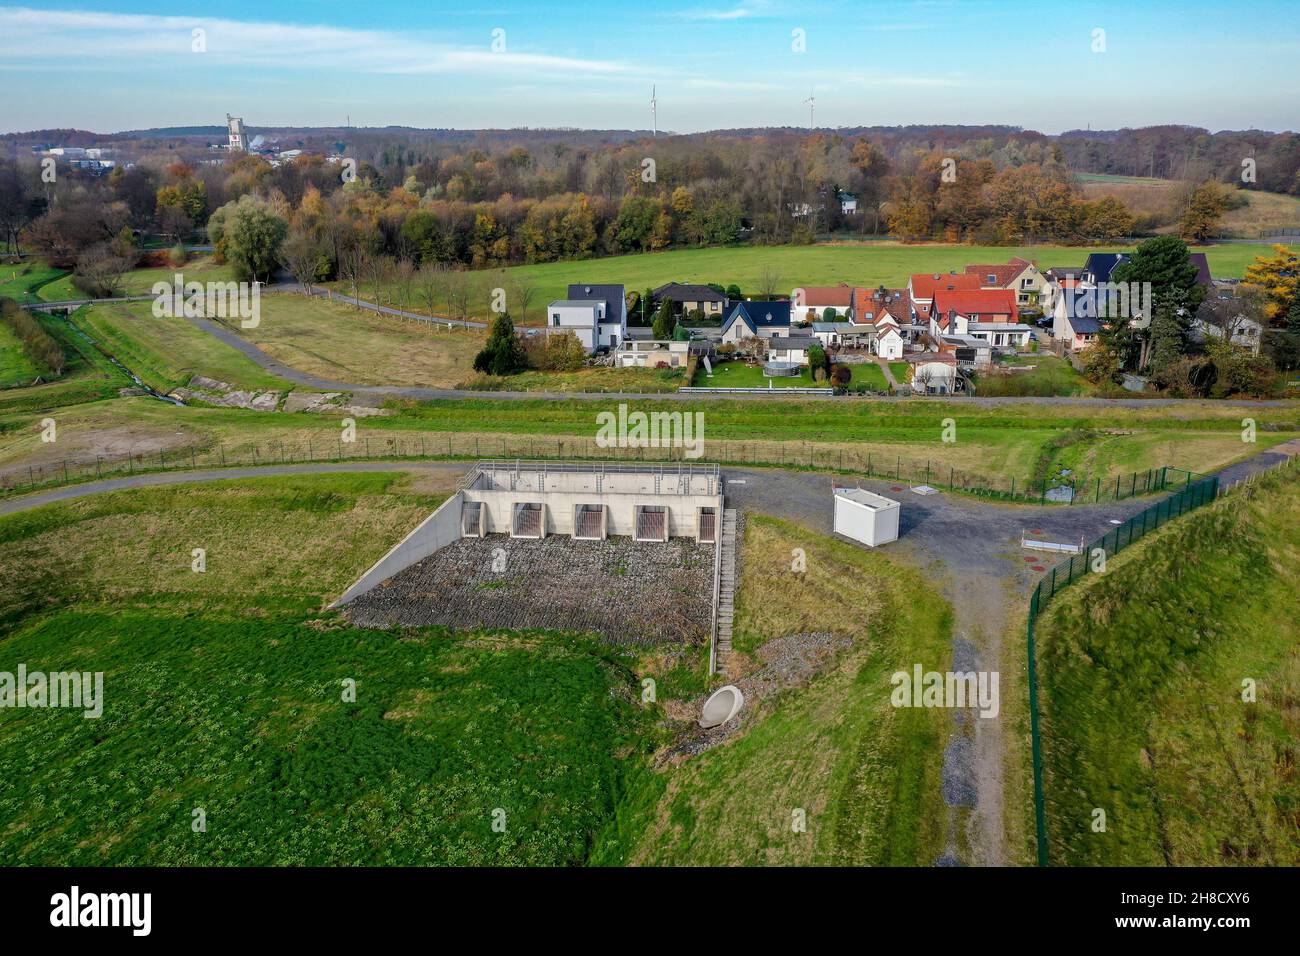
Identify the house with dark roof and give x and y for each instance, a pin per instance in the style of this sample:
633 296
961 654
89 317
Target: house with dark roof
687 297
1076 322
1100 265
756 319
597 314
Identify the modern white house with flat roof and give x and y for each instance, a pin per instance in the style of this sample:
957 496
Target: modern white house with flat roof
596 314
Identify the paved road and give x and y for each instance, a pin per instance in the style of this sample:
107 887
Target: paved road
154 479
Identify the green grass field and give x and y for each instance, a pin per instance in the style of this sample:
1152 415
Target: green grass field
16 368
1142 672
865 264
865 774
741 375
168 352
1045 375
28 282
223 691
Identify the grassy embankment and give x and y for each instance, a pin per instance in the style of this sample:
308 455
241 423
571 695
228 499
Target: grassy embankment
1142 672
865 775
223 692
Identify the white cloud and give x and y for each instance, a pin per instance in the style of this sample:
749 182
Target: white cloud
147 39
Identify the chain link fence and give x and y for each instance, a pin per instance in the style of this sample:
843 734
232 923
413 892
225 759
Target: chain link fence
1197 491
468 446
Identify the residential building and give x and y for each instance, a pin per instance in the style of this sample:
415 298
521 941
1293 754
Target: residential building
921 289
934 373
611 313
762 319
1001 335
1100 265
1018 275
1058 279
889 339
841 334
810 304
790 348
952 312
1075 322
688 298
648 353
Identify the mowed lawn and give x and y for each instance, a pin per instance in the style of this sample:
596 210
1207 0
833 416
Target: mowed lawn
863 775
742 375
167 352
1145 673
225 693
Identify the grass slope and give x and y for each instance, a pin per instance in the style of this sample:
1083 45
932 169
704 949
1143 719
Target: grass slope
223 692
865 773
168 352
1142 671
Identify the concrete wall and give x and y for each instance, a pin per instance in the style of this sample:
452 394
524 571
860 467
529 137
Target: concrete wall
436 531
620 510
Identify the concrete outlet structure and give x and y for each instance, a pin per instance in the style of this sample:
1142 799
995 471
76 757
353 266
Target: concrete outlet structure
582 500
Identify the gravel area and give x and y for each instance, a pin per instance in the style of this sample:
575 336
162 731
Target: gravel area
626 592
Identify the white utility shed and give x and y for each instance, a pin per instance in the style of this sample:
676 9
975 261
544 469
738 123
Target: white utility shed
865 516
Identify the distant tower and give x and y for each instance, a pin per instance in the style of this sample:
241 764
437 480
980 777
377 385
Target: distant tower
812 106
654 111
235 126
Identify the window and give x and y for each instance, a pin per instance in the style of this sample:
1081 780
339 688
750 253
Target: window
555 319
992 279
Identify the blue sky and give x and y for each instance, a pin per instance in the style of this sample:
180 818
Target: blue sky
108 65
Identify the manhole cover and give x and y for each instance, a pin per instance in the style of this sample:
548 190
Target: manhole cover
1039 567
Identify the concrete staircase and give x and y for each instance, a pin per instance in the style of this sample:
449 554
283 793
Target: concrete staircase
726 590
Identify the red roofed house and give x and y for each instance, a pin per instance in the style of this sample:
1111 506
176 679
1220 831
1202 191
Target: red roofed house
810 304
1019 276
954 313
921 288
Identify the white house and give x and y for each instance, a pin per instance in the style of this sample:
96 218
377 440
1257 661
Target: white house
756 319
1000 335
596 314
1245 332
648 353
934 374
889 340
790 348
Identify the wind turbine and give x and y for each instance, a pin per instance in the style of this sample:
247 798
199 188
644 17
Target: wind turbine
654 110
812 106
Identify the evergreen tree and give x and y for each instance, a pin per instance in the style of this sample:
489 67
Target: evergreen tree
502 355
665 322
